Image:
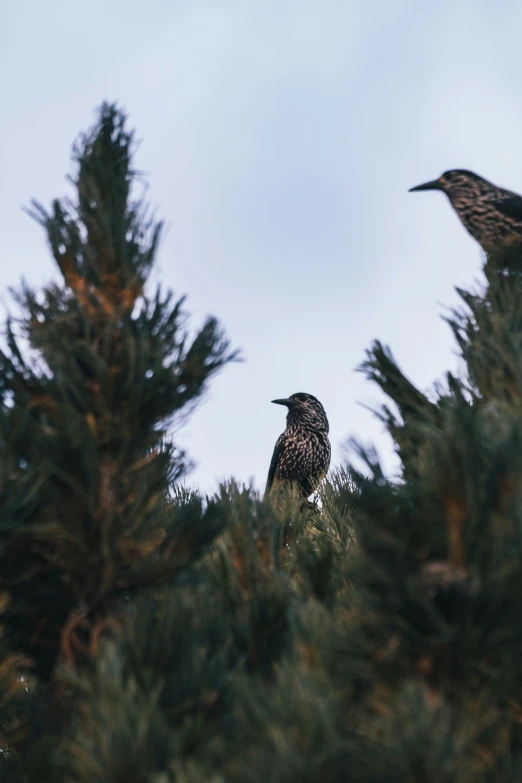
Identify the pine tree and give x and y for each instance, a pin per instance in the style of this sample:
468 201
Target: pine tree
440 561
95 369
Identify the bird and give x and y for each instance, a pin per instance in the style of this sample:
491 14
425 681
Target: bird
492 215
302 452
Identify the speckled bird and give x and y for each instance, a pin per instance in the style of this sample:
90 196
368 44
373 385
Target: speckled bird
302 452
492 215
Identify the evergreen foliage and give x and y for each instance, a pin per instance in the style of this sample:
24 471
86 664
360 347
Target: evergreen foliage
151 634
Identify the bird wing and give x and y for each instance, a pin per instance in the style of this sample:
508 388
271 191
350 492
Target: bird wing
509 205
278 448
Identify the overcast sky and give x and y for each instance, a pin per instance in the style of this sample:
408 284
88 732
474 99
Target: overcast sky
280 138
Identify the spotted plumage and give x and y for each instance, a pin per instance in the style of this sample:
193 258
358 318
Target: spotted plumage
492 215
302 452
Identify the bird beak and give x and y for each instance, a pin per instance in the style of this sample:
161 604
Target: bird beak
435 184
283 402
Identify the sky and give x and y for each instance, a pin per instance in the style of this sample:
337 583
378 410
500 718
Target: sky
280 138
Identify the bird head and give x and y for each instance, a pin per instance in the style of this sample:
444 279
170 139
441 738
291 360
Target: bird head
455 183
305 409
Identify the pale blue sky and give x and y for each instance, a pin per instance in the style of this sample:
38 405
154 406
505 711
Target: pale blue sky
280 138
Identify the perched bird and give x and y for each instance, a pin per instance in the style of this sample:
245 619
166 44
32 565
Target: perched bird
492 215
302 452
